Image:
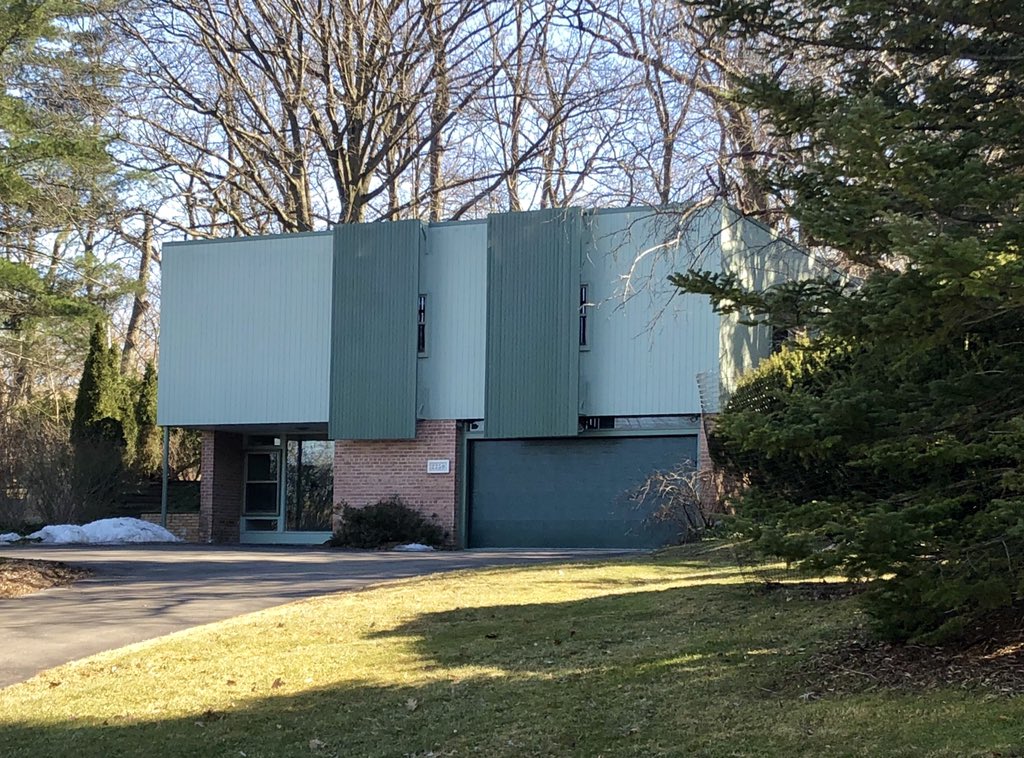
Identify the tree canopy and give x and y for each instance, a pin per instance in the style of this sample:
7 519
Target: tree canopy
891 442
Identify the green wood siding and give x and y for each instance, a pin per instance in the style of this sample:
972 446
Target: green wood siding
245 331
568 492
373 331
532 366
453 275
648 343
760 259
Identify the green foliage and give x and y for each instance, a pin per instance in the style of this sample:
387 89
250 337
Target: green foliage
100 392
897 457
786 305
891 444
385 523
52 150
149 445
24 295
114 425
58 189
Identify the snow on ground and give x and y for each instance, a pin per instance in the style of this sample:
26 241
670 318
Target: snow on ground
413 547
9 537
107 531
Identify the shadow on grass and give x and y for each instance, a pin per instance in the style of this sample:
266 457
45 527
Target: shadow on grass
685 671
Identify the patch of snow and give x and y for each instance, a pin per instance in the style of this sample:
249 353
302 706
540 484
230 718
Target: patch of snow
414 547
9 537
107 531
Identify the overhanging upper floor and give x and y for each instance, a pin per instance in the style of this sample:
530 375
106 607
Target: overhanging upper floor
527 321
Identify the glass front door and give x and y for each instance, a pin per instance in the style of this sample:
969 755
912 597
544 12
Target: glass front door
261 504
289 487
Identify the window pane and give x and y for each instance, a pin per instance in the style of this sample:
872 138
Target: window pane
310 482
261 497
421 325
584 337
262 467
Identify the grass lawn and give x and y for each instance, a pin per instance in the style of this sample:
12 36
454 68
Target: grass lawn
675 654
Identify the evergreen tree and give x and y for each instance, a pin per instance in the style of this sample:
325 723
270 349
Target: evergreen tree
149 446
896 448
97 429
100 393
52 149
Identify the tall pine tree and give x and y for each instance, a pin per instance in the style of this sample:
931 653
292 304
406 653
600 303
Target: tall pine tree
148 448
100 402
892 444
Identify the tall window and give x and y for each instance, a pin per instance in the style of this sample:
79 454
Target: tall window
584 305
421 326
309 494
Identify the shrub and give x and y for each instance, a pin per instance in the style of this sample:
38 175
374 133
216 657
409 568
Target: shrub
683 497
387 522
891 465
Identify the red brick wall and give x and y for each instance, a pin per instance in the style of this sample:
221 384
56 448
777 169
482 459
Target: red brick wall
220 489
367 471
182 525
704 462
712 483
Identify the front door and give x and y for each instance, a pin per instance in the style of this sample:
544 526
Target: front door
288 495
261 504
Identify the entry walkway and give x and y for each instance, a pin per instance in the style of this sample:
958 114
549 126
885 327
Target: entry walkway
141 592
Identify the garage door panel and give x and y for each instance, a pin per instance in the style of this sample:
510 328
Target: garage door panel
568 493
566 533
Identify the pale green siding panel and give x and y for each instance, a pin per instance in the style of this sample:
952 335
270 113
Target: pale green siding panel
647 342
373 330
245 331
760 259
533 276
453 276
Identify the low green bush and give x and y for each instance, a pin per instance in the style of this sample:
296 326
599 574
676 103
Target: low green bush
385 523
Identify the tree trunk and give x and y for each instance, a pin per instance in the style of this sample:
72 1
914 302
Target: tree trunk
140 303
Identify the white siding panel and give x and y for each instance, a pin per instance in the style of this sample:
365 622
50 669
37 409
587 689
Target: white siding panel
453 275
647 342
245 331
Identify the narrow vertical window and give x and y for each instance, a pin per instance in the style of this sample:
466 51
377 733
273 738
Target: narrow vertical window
584 336
421 326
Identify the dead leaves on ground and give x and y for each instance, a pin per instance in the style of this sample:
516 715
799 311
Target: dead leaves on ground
21 576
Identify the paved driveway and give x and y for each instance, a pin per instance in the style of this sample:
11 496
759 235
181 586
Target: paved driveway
141 592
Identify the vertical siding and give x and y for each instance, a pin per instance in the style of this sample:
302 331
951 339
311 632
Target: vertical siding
760 260
244 332
647 342
533 276
453 275
373 331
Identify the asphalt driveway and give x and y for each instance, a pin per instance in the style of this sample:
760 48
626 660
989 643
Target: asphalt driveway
146 591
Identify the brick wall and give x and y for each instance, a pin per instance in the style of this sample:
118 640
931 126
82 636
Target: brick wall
707 422
220 490
712 482
367 471
182 525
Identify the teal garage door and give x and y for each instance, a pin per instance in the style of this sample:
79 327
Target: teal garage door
568 492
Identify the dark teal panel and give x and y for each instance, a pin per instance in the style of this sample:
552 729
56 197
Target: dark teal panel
533 278
373 331
568 493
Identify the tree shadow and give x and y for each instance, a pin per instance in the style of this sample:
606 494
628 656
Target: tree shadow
707 670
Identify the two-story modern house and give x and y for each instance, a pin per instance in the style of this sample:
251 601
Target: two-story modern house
513 378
